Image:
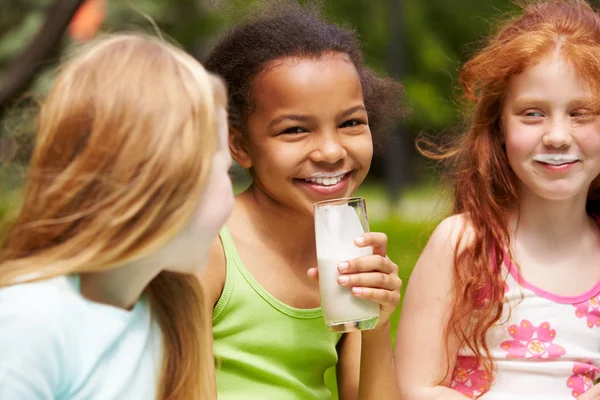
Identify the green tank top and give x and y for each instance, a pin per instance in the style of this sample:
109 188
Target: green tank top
265 349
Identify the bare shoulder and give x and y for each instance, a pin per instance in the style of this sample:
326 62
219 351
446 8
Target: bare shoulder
423 354
453 234
214 275
454 230
452 226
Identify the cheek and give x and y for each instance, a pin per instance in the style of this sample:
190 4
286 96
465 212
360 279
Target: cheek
210 217
521 140
516 142
217 202
516 155
589 141
361 148
223 194
277 159
517 151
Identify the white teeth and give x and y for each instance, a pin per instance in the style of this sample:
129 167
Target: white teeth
556 159
334 180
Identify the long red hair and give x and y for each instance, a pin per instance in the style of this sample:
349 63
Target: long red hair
484 185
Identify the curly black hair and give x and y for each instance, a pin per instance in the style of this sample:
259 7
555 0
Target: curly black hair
286 29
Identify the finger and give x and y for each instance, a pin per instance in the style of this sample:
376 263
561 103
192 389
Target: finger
371 263
386 298
371 280
313 273
377 240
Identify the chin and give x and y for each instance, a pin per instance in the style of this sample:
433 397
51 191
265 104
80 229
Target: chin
555 191
559 195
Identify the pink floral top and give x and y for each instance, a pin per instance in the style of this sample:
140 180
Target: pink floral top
544 347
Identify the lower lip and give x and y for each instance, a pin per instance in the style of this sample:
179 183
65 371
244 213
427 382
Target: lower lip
558 168
323 190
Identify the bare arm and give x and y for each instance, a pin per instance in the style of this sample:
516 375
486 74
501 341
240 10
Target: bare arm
424 363
377 365
374 278
374 379
348 366
366 368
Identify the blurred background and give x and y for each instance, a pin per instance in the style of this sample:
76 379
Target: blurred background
421 42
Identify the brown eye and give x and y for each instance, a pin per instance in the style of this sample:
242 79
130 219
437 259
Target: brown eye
294 130
352 123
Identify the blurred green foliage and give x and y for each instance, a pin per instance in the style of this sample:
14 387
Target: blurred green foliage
437 36
434 37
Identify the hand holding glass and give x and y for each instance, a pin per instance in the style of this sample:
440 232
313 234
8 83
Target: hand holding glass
337 223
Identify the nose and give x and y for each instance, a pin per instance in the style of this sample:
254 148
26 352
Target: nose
558 135
329 148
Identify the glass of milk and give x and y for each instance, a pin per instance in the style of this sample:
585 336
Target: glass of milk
337 223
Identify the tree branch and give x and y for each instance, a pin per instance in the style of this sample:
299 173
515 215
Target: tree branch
21 72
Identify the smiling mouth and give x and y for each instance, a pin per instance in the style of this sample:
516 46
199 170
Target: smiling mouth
327 180
556 159
557 163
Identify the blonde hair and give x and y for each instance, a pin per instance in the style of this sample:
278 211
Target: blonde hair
124 145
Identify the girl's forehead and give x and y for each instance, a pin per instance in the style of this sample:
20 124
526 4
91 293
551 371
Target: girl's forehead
305 92
313 83
299 73
552 73
316 59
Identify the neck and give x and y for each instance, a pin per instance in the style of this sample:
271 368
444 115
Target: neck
121 286
554 224
290 231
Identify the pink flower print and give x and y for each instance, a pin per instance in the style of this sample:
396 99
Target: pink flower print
468 377
583 378
589 309
532 342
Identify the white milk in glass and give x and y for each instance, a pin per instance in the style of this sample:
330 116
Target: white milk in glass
336 227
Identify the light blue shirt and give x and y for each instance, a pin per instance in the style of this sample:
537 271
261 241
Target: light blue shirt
55 344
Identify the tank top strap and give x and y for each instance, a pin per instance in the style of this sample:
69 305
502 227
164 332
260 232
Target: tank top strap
230 255
236 266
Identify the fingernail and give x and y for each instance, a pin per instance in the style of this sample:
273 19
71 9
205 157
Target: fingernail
359 240
357 290
343 279
343 266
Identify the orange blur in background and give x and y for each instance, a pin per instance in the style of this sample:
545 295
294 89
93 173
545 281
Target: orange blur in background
87 20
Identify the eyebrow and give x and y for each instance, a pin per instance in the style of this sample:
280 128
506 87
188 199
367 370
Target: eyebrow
535 100
352 110
293 117
304 118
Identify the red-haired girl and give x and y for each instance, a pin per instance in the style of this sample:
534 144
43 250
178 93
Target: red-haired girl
504 301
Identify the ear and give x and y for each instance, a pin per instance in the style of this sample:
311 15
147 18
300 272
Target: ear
238 150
